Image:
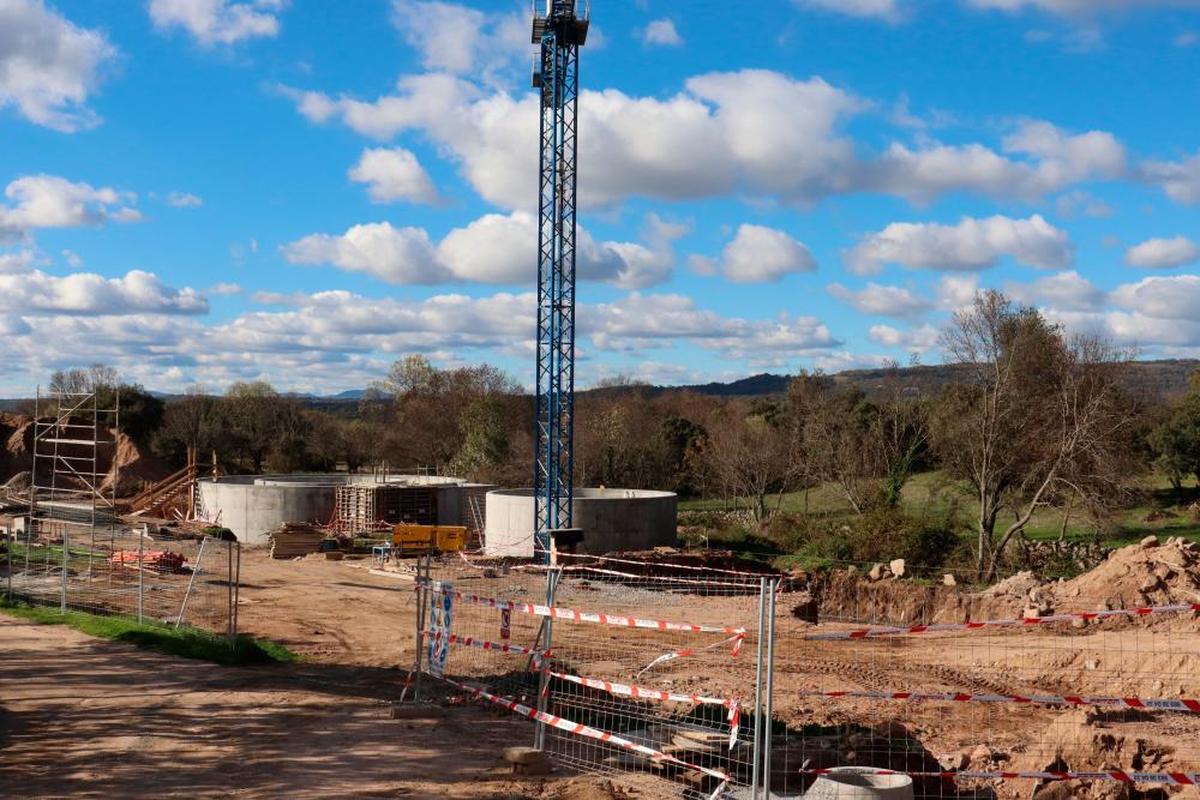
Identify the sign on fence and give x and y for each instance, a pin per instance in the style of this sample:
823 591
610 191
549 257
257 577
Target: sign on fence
441 614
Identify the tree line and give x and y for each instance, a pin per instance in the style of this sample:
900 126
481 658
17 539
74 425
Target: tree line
1037 419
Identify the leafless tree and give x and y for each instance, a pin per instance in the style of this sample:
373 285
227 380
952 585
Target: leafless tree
750 457
1041 414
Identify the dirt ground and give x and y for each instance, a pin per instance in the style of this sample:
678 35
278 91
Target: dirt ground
85 718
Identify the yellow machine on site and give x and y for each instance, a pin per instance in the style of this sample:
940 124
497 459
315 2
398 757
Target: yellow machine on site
410 539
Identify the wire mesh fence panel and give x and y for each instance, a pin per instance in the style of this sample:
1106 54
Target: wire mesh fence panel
639 670
123 571
1081 686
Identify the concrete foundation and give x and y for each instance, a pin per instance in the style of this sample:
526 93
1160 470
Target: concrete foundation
611 519
254 505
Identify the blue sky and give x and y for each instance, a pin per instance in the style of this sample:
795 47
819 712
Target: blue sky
205 191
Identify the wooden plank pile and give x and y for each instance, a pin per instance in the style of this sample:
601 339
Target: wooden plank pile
162 561
294 539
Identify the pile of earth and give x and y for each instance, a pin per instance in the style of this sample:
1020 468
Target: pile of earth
126 467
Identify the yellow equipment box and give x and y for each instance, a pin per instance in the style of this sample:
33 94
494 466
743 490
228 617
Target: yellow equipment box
407 538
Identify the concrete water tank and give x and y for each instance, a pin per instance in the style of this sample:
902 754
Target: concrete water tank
860 783
611 519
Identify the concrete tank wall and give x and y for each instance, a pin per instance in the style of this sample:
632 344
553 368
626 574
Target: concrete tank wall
611 519
254 505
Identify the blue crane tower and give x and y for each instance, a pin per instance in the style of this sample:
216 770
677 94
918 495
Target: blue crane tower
560 31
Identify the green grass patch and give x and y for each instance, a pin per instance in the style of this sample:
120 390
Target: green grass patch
184 642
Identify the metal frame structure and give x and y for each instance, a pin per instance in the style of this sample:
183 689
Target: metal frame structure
560 32
65 491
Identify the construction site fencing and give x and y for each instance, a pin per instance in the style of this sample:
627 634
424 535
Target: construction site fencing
121 570
1085 685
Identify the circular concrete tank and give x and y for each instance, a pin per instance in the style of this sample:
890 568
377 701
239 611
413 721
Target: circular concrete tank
611 519
861 783
254 505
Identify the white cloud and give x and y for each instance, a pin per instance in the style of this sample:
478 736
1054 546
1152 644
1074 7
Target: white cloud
1065 291
212 22
393 174
48 201
1179 179
48 66
956 291
1163 253
1079 202
36 292
496 248
887 10
917 340
972 244
887 301
462 40
1175 298
16 261
662 32
224 289
759 254
1080 8
184 200
757 132
73 259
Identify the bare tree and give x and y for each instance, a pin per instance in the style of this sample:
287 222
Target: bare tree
750 457
1041 414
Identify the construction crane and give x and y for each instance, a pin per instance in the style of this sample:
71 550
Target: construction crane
560 31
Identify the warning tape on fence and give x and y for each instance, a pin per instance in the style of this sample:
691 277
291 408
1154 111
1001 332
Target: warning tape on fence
574 615
1143 703
483 644
643 693
669 565
724 583
736 639
579 729
1112 776
1089 616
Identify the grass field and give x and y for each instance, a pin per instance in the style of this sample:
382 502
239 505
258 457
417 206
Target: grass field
184 642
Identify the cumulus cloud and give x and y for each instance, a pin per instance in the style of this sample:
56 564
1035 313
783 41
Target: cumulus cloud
662 32
1163 253
972 244
1068 291
48 201
887 10
184 200
1175 297
758 254
757 132
224 289
1080 8
462 40
393 174
1179 179
49 67
36 292
212 22
16 261
886 301
496 248
916 340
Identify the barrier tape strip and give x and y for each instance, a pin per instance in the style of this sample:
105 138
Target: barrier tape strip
1113 776
483 644
869 633
669 565
579 729
714 582
582 616
642 693
1146 704
737 640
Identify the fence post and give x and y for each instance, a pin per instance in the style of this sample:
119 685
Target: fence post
768 739
141 563
756 753
237 586
423 573
229 588
539 737
9 541
66 545
191 583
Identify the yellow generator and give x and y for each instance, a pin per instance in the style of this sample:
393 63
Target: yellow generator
414 539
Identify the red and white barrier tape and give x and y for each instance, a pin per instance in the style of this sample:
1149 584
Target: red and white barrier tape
1144 703
643 693
573 615
669 565
1114 776
580 729
870 633
716 582
483 644
737 640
